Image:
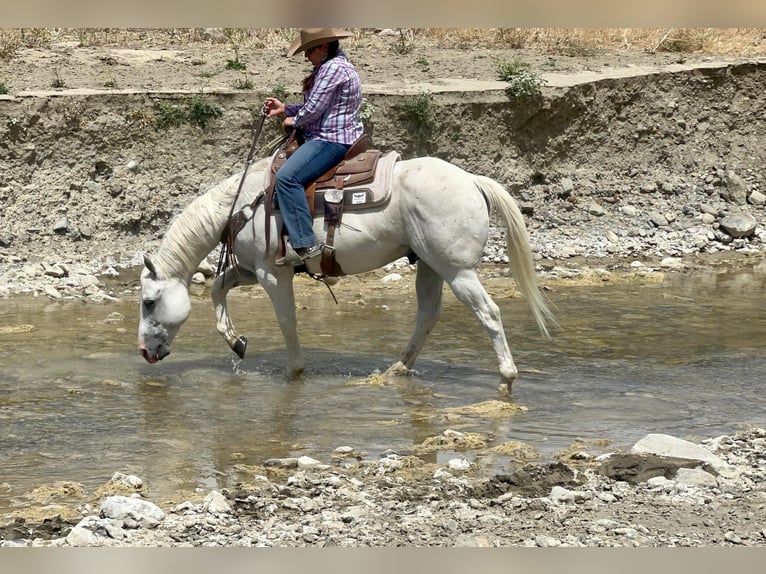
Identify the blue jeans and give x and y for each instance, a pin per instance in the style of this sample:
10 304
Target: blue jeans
308 162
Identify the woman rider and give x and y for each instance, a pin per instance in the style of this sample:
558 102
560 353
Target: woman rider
329 119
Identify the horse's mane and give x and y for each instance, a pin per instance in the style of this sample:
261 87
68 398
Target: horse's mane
197 229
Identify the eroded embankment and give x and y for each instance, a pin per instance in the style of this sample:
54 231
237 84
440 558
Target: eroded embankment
87 175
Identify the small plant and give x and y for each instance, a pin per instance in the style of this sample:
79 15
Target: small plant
169 115
366 111
3 88
195 111
405 45
418 110
57 82
236 63
110 83
244 83
280 92
206 74
16 129
201 111
523 83
9 45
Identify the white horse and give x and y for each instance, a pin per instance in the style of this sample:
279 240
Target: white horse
437 211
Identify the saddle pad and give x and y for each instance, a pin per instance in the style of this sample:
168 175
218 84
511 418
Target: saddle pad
359 197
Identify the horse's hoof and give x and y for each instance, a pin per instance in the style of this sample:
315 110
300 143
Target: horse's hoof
240 346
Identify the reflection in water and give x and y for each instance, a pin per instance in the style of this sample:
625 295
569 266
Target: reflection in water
77 403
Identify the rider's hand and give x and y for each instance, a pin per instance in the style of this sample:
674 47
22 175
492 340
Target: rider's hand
273 107
287 124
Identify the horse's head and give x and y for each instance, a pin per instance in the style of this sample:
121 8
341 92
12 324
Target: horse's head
165 305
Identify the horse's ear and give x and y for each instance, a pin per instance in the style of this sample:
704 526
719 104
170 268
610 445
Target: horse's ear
149 265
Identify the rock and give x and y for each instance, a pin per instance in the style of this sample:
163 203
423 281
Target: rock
308 462
392 278
52 292
198 279
563 495
120 479
642 467
61 226
658 219
757 198
670 446
216 503
543 541
132 510
206 268
92 531
567 187
460 464
696 477
629 210
57 271
596 209
735 188
739 225
82 535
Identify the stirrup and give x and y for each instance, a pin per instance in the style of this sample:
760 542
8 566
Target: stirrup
293 259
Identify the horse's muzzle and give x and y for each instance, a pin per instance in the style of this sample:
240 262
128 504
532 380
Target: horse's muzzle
162 352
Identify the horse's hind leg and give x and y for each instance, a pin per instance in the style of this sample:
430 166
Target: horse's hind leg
469 290
428 286
221 287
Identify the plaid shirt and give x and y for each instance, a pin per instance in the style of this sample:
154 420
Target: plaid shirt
330 110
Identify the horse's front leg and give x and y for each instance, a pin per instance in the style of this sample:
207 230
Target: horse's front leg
278 283
229 279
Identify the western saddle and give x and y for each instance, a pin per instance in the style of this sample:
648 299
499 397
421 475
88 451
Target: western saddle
356 168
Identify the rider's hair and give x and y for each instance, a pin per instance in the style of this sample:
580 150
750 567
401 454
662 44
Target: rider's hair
332 51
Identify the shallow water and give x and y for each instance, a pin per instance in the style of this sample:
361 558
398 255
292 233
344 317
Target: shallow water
77 402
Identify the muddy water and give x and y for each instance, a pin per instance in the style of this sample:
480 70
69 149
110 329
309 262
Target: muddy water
685 356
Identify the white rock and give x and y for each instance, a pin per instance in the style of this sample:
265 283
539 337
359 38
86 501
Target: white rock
216 503
696 477
130 508
666 445
307 462
392 278
81 535
51 292
459 463
198 278
562 495
660 482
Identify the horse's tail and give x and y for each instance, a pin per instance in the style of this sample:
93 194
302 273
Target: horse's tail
519 250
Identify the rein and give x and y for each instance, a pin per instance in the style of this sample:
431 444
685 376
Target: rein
235 222
228 258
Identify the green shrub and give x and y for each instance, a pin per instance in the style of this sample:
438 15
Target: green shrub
195 111
418 110
3 88
202 111
523 83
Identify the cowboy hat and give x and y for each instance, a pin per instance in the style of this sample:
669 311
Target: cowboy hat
311 37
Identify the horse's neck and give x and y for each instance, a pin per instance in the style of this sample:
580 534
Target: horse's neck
197 230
